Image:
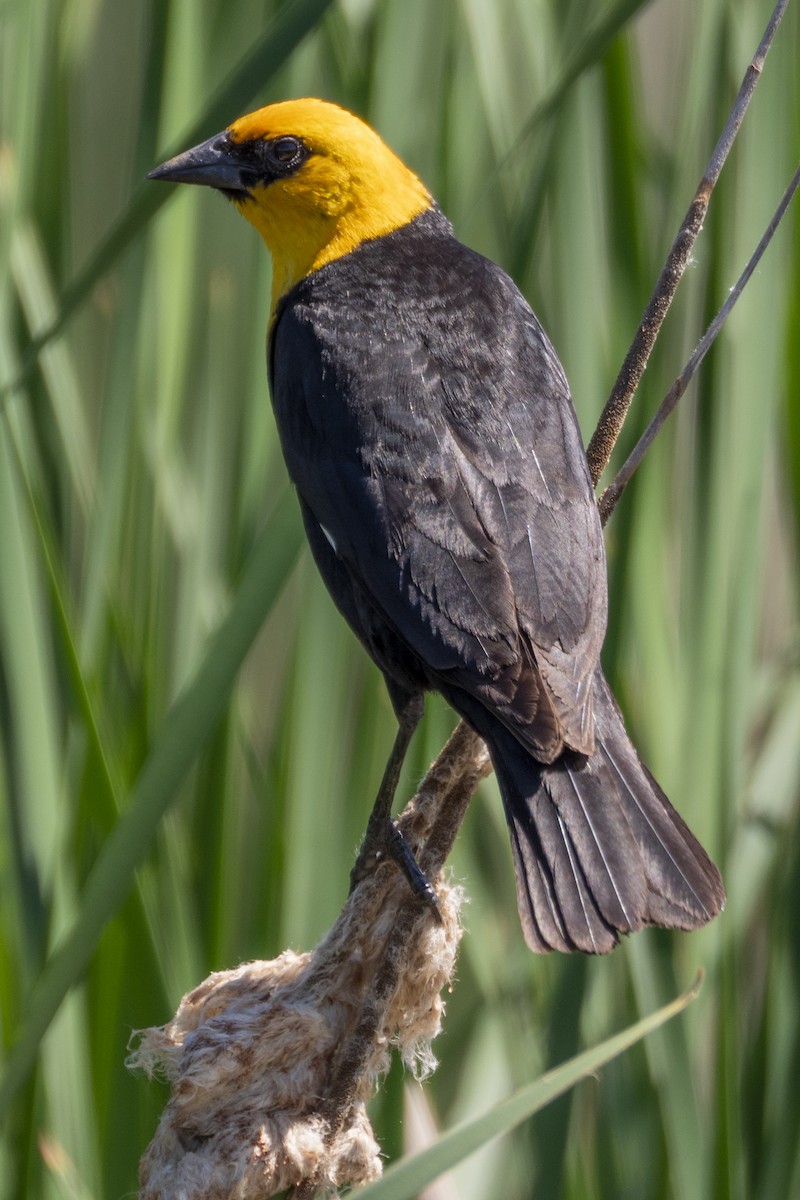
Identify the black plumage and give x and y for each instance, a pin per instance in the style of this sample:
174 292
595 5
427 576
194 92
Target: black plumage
429 431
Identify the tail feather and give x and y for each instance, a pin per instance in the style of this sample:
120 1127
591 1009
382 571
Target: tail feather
554 896
598 849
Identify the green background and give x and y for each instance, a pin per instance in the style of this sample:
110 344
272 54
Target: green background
140 477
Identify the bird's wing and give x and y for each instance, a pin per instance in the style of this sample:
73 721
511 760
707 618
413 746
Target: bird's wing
529 480
453 486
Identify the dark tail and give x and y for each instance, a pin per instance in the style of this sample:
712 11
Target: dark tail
598 848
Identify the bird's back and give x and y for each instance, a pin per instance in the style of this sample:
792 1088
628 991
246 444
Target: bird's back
427 425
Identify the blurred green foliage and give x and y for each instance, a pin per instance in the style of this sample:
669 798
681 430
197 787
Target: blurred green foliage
149 546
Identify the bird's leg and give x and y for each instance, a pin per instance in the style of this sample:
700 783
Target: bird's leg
383 839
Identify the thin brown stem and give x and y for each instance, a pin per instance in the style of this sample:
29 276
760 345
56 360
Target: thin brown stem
613 415
611 495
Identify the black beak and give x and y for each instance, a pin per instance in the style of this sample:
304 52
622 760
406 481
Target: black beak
214 163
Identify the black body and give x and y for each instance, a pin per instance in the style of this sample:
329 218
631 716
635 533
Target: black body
428 428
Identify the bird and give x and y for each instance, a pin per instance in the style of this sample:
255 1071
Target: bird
429 432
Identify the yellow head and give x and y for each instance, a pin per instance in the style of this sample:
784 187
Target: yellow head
313 179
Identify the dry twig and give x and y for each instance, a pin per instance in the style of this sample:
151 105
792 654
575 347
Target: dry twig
611 495
613 416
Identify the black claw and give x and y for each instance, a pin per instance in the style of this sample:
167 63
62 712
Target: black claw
399 849
386 841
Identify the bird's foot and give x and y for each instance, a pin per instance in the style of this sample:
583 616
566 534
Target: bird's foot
384 840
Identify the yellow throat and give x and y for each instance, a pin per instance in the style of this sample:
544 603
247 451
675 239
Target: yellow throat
350 188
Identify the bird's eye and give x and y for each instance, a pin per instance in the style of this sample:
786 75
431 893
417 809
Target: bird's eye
286 149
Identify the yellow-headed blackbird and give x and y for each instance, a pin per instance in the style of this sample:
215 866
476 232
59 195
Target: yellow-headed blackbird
428 428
